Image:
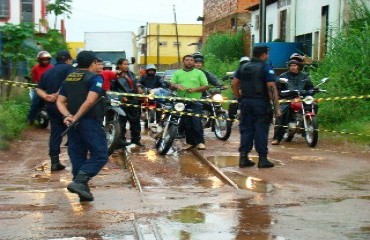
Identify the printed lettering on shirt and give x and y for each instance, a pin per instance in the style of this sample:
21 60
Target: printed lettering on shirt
74 77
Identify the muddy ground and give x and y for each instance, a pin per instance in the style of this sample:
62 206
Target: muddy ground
312 193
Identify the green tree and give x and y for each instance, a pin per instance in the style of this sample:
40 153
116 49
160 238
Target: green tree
59 7
14 48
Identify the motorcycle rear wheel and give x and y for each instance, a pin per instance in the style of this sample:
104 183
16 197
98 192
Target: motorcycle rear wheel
112 132
311 133
164 144
42 119
222 127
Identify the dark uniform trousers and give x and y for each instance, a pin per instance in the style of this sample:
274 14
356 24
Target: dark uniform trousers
87 136
254 124
57 127
193 125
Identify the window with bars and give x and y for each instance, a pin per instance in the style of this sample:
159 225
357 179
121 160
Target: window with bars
4 10
27 11
283 3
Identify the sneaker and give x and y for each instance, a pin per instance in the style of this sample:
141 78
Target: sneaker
275 142
187 146
201 146
138 143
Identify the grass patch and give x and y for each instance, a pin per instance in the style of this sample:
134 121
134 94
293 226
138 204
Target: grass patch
13 118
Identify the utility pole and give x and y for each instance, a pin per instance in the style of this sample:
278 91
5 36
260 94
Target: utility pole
262 21
177 38
146 44
158 45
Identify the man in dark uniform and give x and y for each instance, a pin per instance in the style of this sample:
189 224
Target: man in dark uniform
48 90
254 86
80 100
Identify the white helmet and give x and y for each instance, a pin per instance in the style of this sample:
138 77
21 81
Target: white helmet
150 67
244 59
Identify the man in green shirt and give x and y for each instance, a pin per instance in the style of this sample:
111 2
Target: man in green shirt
190 83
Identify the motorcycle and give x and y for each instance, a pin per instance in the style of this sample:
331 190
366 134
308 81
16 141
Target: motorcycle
148 110
111 124
168 128
42 117
302 113
218 117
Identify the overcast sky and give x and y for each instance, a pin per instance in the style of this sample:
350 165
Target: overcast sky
127 15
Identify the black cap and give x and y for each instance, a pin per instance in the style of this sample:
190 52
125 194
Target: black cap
63 55
85 59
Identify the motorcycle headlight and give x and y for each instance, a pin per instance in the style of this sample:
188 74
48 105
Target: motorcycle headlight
114 103
308 100
217 97
179 107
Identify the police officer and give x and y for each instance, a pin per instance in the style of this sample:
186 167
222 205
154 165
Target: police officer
297 80
254 86
80 101
48 90
233 107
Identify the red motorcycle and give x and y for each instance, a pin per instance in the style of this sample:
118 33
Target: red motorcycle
302 113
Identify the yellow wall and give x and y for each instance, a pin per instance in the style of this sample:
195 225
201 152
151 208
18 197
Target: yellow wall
75 47
159 32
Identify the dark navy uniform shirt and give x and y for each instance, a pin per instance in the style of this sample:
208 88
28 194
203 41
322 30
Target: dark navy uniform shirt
52 80
95 85
268 73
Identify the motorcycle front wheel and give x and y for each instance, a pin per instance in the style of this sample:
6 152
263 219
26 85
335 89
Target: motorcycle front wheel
164 144
112 133
311 133
222 126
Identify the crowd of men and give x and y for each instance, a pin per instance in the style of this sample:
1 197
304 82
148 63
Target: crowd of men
73 95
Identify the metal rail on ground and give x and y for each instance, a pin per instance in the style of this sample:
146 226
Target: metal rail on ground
214 168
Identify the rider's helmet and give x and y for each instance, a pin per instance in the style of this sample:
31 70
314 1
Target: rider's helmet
150 67
198 57
43 55
297 59
243 60
107 65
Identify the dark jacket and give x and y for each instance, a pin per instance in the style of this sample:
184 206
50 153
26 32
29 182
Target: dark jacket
300 81
151 81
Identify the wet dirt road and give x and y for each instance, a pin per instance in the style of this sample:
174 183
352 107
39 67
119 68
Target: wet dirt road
319 193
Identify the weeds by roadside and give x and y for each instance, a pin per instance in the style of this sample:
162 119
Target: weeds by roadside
13 115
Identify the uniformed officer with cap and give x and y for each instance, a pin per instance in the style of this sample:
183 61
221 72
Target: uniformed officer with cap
79 100
254 86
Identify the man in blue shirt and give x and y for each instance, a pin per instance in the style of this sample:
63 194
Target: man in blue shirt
254 86
80 100
48 89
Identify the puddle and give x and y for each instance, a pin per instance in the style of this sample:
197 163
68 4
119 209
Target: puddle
233 161
191 168
250 183
187 215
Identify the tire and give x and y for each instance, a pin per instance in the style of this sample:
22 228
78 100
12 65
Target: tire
222 127
112 132
206 121
42 119
311 134
164 144
152 115
290 137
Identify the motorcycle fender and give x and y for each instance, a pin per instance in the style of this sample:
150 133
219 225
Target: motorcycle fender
310 114
119 111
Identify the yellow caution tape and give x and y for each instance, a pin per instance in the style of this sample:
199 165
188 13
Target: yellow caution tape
330 131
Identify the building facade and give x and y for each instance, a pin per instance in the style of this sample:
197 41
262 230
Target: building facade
310 23
19 11
165 44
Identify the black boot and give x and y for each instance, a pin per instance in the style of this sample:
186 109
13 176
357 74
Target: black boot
244 161
80 187
264 162
55 164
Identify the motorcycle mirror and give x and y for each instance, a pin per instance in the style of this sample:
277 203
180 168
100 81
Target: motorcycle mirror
283 80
